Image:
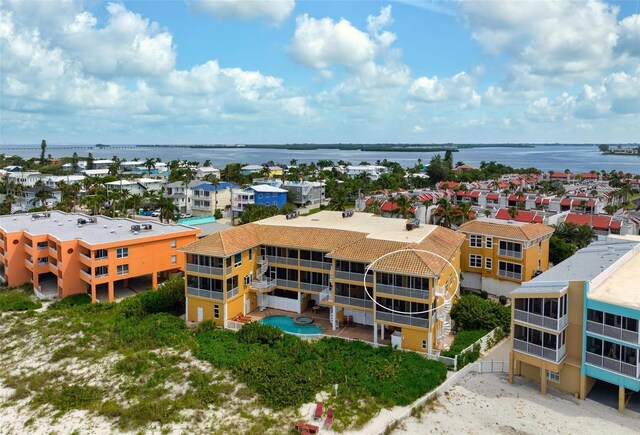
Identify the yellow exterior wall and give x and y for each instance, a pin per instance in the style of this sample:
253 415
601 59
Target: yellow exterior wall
412 338
207 305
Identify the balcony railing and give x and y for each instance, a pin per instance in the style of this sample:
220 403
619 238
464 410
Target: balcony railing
42 247
86 275
352 276
311 264
273 259
102 257
264 284
537 319
354 302
207 270
403 319
402 291
85 257
555 355
289 283
205 293
507 274
232 293
312 287
621 367
326 297
28 247
510 253
613 332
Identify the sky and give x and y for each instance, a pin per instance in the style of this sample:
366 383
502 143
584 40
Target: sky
285 71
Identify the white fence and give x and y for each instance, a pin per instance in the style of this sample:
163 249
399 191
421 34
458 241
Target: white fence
453 361
477 367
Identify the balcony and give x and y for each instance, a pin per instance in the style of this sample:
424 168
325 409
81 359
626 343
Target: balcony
538 320
53 251
554 355
402 319
232 293
28 248
272 259
205 293
84 259
613 332
85 275
287 283
512 275
311 264
402 291
28 263
626 369
312 287
263 285
101 258
207 270
354 302
352 276
326 297
509 253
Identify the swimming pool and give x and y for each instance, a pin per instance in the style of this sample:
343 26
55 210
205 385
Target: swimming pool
288 325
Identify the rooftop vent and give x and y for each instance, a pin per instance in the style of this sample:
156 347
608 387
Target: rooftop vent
87 220
347 214
293 215
135 229
413 223
40 215
146 227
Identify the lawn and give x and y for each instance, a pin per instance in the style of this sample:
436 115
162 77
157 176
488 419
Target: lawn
138 366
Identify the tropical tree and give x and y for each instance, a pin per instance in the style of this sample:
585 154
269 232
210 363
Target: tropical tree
445 214
207 163
513 212
43 149
150 164
373 207
339 199
464 212
404 205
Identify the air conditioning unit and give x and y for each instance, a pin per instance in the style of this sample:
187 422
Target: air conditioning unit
146 226
135 228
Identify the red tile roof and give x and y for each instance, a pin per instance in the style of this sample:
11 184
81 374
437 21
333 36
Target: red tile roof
522 216
597 222
493 196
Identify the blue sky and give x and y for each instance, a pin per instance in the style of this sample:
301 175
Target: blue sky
229 71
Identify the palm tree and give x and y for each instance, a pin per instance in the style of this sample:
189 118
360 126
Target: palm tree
404 205
373 207
150 164
136 200
339 200
513 212
207 163
168 208
187 177
464 212
445 213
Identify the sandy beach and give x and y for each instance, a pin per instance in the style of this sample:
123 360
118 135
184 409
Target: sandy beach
488 404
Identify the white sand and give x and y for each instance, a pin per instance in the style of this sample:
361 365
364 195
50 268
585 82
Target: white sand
488 404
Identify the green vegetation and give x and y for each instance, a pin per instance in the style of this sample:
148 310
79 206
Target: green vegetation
137 364
473 312
464 339
567 239
71 301
17 300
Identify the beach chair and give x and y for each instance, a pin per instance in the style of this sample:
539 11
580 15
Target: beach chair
318 412
329 420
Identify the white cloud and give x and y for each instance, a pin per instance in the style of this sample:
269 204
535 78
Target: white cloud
624 91
272 10
417 129
550 40
320 43
428 89
629 38
458 88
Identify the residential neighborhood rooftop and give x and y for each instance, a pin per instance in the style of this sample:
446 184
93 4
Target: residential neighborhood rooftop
509 229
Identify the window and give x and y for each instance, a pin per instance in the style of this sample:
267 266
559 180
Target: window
540 246
216 311
101 271
488 263
475 260
511 249
424 344
122 252
248 279
173 243
489 242
174 259
250 254
123 269
553 376
100 254
237 259
475 241
509 270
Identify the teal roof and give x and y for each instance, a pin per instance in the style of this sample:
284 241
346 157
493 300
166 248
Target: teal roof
198 220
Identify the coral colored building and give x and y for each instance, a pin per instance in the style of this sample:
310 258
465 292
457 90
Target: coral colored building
68 253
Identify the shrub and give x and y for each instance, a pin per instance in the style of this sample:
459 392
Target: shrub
17 300
473 312
71 301
260 333
484 294
503 300
462 340
168 298
150 332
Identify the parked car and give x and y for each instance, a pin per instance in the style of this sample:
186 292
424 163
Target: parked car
155 213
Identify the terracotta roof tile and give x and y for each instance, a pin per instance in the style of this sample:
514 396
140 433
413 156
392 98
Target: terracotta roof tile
529 231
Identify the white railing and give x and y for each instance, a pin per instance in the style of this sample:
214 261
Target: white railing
326 296
273 259
312 287
312 264
352 276
263 284
53 249
614 365
439 291
232 293
86 257
42 247
286 283
402 319
509 253
507 274
209 294
207 270
613 332
354 302
402 291
234 326
555 355
539 320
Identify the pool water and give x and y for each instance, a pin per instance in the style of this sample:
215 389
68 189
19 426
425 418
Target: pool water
287 325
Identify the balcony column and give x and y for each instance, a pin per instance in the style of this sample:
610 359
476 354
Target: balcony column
621 401
543 380
111 291
375 333
512 364
583 387
154 280
93 293
382 331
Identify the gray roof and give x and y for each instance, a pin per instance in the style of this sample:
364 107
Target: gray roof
64 226
584 265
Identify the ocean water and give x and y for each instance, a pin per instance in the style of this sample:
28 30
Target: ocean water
582 158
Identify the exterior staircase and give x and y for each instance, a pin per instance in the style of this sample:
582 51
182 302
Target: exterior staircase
262 284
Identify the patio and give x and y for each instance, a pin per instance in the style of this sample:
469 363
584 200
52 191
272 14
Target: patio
354 331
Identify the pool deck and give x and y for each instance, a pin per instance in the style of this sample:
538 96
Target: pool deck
354 332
